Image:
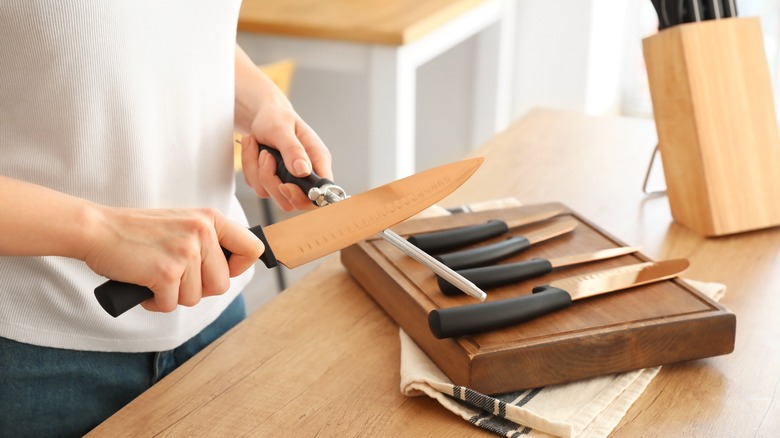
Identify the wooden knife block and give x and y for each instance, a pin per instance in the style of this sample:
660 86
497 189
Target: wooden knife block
717 129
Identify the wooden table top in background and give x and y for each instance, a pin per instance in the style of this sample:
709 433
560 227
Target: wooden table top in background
393 22
323 359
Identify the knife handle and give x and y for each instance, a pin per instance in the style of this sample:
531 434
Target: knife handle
445 240
492 315
117 297
305 183
486 277
729 8
484 255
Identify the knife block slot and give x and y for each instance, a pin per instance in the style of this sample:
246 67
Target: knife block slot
717 129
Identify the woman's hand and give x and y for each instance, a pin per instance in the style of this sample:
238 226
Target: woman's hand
265 116
175 253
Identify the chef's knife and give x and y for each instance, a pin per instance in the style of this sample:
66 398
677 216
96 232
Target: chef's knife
445 240
487 277
488 254
323 192
316 233
559 294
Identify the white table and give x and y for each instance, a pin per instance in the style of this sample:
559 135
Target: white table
390 55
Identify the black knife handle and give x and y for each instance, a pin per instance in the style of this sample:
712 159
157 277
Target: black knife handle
484 255
445 240
492 315
486 277
729 8
116 297
306 183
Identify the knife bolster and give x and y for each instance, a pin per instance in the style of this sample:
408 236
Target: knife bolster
268 257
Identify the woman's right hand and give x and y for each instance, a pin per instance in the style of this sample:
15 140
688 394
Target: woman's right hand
176 253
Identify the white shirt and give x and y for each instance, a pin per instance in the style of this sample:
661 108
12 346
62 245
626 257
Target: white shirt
124 103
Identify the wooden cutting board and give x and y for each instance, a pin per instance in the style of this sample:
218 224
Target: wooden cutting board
641 327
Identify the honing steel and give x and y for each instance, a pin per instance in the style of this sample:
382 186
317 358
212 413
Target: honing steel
492 315
488 254
486 277
316 233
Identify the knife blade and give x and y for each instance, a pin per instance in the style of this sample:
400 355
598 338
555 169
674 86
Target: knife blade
559 294
487 277
445 240
488 254
316 233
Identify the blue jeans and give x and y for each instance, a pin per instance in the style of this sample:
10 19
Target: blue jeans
50 392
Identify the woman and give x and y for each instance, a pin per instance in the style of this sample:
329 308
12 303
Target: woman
116 122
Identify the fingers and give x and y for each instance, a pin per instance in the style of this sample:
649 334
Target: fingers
165 299
315 148
268 179
214 277
295 196
301 148
244 246
175 253
260 174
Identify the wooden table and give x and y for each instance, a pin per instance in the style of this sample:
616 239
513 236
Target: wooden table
322 358
387 41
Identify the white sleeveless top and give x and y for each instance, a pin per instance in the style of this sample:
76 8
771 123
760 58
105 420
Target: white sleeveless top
124 103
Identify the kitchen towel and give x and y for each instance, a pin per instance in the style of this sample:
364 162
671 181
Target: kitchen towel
587 408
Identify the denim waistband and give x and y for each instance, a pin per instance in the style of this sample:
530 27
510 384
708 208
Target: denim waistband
51 392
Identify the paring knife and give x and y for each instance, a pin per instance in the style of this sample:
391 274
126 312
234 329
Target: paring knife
488 254
492 315
319 232
487 277
445 240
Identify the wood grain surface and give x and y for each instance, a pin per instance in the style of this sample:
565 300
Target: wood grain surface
714 109
323 359
392 22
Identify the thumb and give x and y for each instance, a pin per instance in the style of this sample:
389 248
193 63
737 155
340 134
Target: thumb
244 246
